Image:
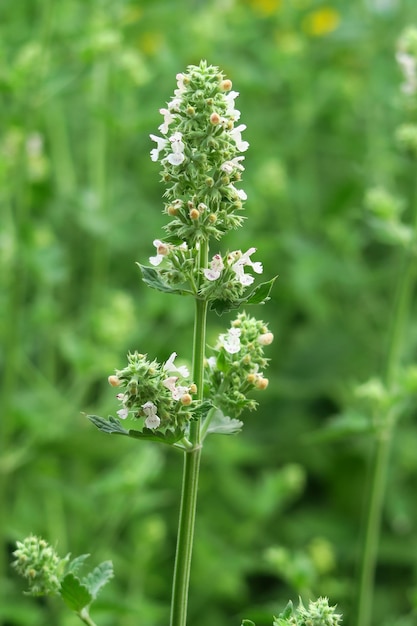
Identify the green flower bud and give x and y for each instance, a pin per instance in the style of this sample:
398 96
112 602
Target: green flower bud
38 562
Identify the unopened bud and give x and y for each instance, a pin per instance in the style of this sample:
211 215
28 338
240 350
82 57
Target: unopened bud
251 378
113 381
190 111
193 388
226 85
172 210
214 119
212 218
186 399
246 359
194 214
209 181
266 339
262 383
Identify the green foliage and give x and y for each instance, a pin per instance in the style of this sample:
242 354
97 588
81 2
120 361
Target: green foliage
80 202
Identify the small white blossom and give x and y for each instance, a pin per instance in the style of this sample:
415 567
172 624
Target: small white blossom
236 134
233 164
241 263
231 341
160 145
170 367
176 391
231 111
162 251
177 156
239 193
168 118
152 420
216 268
123 413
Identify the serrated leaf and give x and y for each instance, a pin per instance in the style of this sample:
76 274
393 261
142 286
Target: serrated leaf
100 576
76 564
223 424
259 295
74 593
111 425
202 410
169 436
152 278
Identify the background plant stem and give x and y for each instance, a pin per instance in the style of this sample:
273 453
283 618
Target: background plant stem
191 471
383 440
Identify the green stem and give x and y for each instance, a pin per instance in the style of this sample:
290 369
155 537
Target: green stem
382 445
191 472
85 617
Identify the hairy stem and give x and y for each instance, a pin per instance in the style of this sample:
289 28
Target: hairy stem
191 472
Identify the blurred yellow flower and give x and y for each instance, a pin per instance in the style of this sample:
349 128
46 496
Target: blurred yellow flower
321 22
266 7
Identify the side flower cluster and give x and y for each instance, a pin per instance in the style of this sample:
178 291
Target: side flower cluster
157 392
226 278
237 365
38 562
200 155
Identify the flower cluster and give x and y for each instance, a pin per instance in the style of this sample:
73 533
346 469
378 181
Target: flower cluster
200 155
226 278
154 391
38 562
237 365
318 613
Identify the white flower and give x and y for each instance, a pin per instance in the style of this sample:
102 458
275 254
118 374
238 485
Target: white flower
168 118
160 145
240 264
233 164
176 392
238 192
236 134
170 367
177 155
152 420
231 342
123 413
216 267
231 111
161 249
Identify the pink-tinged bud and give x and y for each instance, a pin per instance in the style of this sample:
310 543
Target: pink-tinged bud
186 399
113 381
193 388
262 383
266 339
214 119
194 214
226 85
162 248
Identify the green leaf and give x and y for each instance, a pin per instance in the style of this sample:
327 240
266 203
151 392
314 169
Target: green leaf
248 622
152 278
74 593
76 564
202 410
169 436
98 577
259 295
222 424
111 425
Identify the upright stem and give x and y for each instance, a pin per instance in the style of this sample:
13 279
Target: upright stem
191 471
382 445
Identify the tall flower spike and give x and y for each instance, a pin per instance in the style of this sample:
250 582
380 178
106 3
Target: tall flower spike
200 155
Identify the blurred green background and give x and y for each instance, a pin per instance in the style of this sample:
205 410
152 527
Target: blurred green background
280 506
